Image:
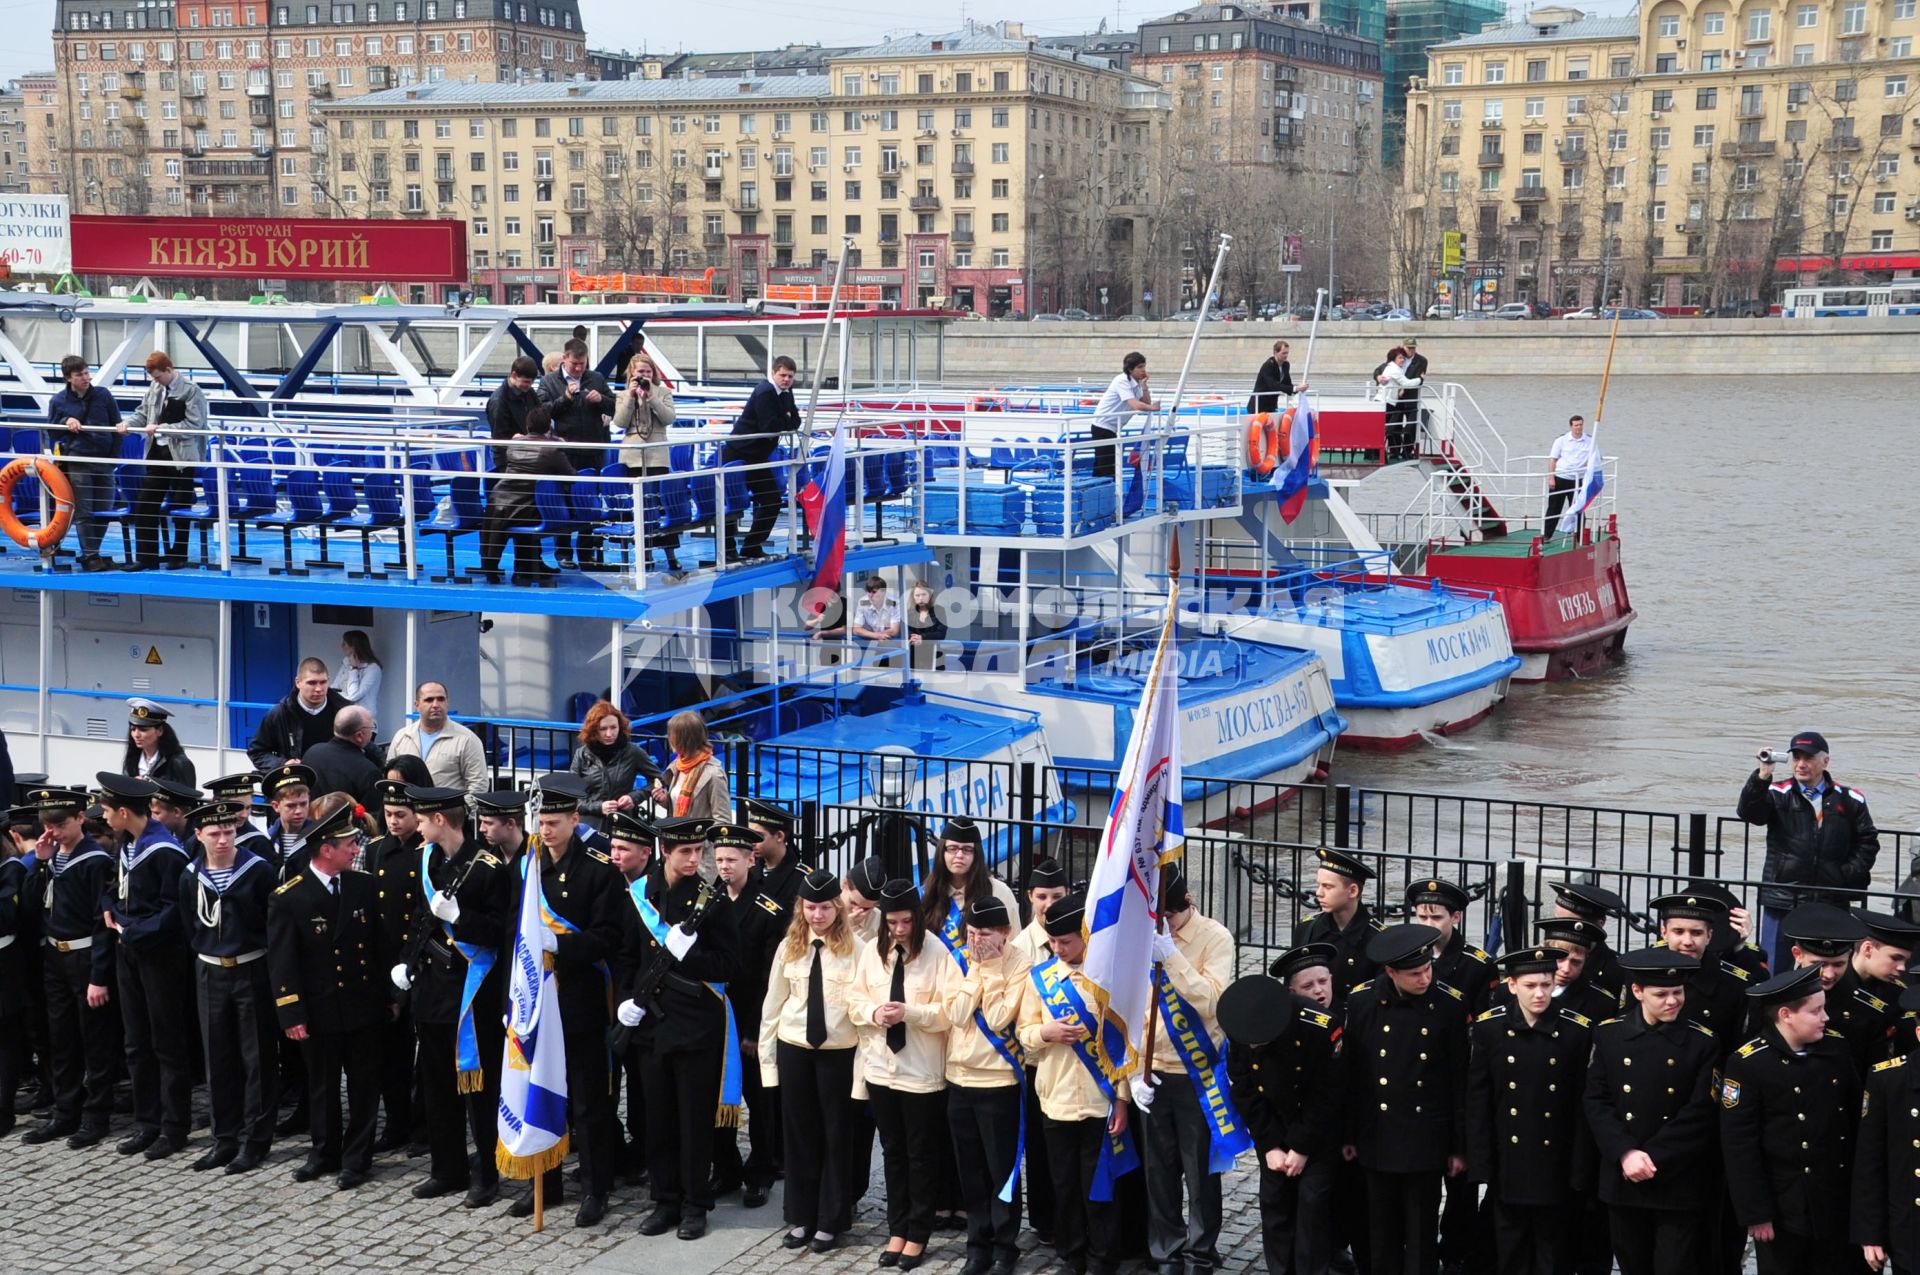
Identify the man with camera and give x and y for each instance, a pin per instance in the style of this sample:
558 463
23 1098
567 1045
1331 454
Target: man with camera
1819 836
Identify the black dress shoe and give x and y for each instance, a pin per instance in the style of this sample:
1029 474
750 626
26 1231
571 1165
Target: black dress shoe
247 1161
909 1263
434 1188
977 1264
48 1132
723 1186
389 1142
890 1258
87 1135
218 1156
1002 1267
481 1194
826 1245
165 1146
753 1197
351 1178
592 1209
566 563
312 1169
663 1219
693 1225
137 1141
794 1240
522 1207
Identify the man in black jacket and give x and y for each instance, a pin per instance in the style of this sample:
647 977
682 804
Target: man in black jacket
341 764
516 396
298 722
769 413
510 504
1819 834
583 404
1273 383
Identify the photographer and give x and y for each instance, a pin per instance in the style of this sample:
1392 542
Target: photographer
642 413
1819 835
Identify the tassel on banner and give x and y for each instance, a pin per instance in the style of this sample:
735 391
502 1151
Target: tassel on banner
471 1081
523 1167
727 1117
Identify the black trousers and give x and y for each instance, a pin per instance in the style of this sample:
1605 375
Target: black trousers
1036 1179
764 487
161 486
1182 1234
985 1124
1403 1214
398 1047
1296 1219
329 1056
1558 497
634 1157
1466 1229
591 1119
450 1114
1591 1243
1106 455
816 1087
1086 1232
1401 430
13 1063
84 1043
861 1131
156 990
683 1092
1350 1222
1659 1241
1790 1254
498 528
1531 1239
910 1142
763 1135
239 1034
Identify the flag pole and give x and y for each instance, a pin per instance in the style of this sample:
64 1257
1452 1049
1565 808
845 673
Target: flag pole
539 1203
826 336
1160 881
1593 454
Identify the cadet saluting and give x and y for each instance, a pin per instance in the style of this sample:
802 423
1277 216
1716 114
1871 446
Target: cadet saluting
1886 1165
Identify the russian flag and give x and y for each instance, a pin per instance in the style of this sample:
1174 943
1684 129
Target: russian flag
824 502
1300 460
1589 492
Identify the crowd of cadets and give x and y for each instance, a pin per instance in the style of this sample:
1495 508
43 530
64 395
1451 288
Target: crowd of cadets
1412 1102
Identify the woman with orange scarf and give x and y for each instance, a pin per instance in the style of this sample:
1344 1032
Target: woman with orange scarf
695 785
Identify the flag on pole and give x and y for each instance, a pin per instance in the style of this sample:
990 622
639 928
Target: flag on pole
1145 829
533 1072
1299 459
824 501
1586 491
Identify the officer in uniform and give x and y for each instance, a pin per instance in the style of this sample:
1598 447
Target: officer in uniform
586 894
152 962
1594 904
1886 1164
451 920
71 876
1283 1058
1650 1107
1524 1120
324 952
225 897
682 1021
1343 920
394 861
1789 1103
760 916
1406 1062
1716 988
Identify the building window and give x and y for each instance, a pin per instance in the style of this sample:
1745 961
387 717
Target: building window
1453 73
1713 24
1806 16
1496 73
1882 241
1705 99
1670 25
1760 24
1853 18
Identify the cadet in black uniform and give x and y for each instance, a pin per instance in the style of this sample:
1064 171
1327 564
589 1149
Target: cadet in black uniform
1717 988
394 861
585 892
152 962
1880 962
1823 937
71 877
1789 1103
1524 1120
16 969
1405 1057
170 806
502 819
676 997
1575 940
1343 920
1282 1059
324 949
1469 971
761 919
1886 1161
1649 1105
239 790
1730 942
630 843
781 869
224 897
1594 904
441 930
290 791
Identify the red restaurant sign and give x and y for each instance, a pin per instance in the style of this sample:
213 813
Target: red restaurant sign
1876 261
273 248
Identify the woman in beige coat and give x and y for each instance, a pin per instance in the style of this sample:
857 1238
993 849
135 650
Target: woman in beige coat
641 412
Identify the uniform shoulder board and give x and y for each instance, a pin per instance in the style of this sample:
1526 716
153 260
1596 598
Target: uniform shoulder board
1735 970
1315 1017
1898 982
290 884
1574 1016
1704 1031
1311 916
1749 1049
1498 1011
1479 956
490 861
1357 988
1891 1062
1452 991
1376 923
1869 999
770 906
1608 1022
1658 943
595 854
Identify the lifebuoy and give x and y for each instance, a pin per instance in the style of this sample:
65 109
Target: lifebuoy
1263 443
58 488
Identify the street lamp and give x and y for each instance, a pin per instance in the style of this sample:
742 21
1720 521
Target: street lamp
1332 247
1033 198
1606 238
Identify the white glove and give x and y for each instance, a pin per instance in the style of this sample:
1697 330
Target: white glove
1142 1092
400 979
444 906
679 942
548 940
1163 948
630 1013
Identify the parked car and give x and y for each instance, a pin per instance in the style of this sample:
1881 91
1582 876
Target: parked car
1474 316
1440 310
1747 308
1049 318
1399 314
1130 318
1076 315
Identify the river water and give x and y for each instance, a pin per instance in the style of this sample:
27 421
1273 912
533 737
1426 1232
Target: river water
1771 542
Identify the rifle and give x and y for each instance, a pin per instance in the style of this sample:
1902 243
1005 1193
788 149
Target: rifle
653 975
427 922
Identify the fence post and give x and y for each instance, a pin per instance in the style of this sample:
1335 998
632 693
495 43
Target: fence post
1342 816
1697 844
1514 905
1026 796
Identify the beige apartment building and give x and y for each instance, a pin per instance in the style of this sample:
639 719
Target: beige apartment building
953 163
211 106
13 140
1699 152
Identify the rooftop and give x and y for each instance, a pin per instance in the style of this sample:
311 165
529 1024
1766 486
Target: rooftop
452 93
1007 37
1583 28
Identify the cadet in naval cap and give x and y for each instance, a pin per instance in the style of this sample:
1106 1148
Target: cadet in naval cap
393 861
1716 990
760 920
1343 920
1886 1160
1594 904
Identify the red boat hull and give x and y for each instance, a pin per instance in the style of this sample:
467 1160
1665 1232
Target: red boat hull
1567 610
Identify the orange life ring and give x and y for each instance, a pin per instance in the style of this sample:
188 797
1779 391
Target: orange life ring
1263 443
58 488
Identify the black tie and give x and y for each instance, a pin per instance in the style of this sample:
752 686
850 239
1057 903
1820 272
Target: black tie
816 1001
897 1034
333 886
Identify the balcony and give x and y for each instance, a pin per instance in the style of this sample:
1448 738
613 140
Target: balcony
228 169
1493 124
744 203
1751 113
1572 155
924 203
1845 145
259 90
713 239
962 167
320 90
1747 150
1493 159
193 121
1530 195
131 92
958 235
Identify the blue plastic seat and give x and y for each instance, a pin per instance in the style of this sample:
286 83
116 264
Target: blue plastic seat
466 510
200 512
342 506
250 497
383 513
306 508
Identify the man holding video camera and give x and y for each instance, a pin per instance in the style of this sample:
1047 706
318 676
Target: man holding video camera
1821 842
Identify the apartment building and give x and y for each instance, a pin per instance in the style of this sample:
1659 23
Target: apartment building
1254 86
1694 153
943 159
13 140
211 106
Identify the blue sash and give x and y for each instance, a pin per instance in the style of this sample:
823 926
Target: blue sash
466 1049
728 1116
1057 995
1007 1045
1227 1133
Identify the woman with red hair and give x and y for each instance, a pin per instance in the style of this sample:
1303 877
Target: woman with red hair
610 763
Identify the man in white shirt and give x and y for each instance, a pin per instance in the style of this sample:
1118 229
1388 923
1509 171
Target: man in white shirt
878 616
454 755
1567 466
1128 394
